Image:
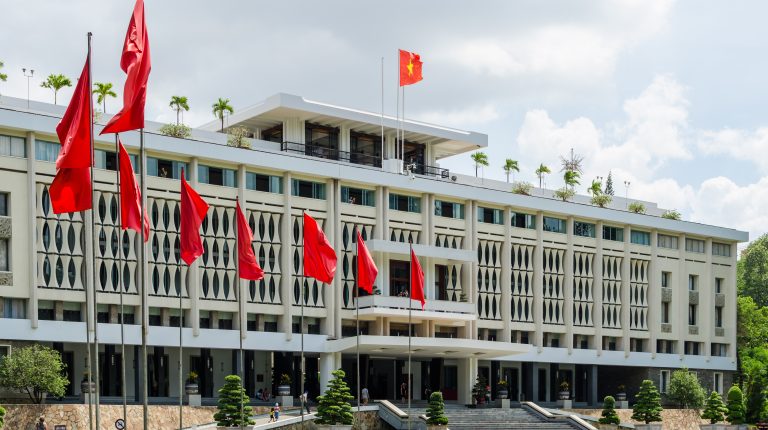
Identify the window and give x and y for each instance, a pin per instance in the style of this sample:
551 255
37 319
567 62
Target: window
694 245
205 319
637 345
663 381
4 260
45 310
640 237
584 229
399 278
72 312
308 189
321 141
166 168
522 220
717 382
721 249
403 203
4 204
693 282
613 233
555 225
365 149
155 317
490 216
449 209
719 316
665 277
216 176
691 314
13 146
46 151
665 312
719 285
719 349
609 343
692 348
266 183
274 134
104 159
664 346
358 196
666 241
14 308
5 351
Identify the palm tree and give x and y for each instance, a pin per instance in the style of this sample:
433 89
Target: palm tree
571 178
3 76
221 107
480 159
103 90
179 103
510 166
56 82
541 171
596 188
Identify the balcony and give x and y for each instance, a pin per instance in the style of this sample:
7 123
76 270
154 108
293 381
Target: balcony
401 248
331 154
437 310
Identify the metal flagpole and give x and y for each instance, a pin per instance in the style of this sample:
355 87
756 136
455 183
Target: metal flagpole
402 129
301 325
382 110
144 298
241 367
397 108
357 323
89 260
181 358
410 298
120 279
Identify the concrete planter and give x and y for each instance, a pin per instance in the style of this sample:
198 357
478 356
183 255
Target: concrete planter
191 388
723 426
502 394
234 428
652 426
607 426
87 387
283 390
334 427
564 395
429 427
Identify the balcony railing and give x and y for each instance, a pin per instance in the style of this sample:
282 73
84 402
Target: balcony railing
331 153
423 169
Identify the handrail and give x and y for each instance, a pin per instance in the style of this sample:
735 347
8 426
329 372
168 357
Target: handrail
424 169
575 420
331 153
392 408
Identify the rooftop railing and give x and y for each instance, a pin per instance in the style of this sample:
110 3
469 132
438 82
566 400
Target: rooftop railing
331 153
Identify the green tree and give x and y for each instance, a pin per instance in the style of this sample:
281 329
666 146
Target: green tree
565 194
541 171
601 200
436 410
636 207
2 417
736 410
176 130
685 390
103 90
180 103
671 214
609 415
333 406
480 389
481 159
596 188
233 409
648 406
34 370
752 338
521 187
55 83
752 271
609 184
571 178
510 166
220 108
714 410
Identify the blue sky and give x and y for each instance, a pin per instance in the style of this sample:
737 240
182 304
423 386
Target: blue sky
668 95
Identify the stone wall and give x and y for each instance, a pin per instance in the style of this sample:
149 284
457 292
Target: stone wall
678 419
367 420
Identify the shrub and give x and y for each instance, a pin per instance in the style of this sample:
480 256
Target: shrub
736 408
521 187
436 410
176 130
480 389
285 379
333 407
2 417
601 200
685 390
34 370
715 410
231 396
565 194
609 415
237 137
671 214
648 406
636 207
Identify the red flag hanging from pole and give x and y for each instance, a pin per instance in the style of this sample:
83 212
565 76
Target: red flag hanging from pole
417 280
193 210
319 256
366 268
71 188
410 68
246 259
136 63
130 196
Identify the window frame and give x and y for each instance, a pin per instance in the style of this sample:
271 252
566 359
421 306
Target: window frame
613 233
456 209
317 190
412 203
579 226
662 239
646 235
562 225
496 215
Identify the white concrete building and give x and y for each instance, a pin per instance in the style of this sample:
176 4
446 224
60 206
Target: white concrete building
529 289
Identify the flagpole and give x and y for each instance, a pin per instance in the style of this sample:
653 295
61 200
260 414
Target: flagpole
181 353
240 368
402 131
301 327
357 323
382 111
87 300
144 307
410 298
397 109
120 278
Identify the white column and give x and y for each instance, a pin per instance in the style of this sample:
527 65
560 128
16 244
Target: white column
538 281
625 296
333 231
329 361
568 287
706 317
467 371
193 273
597 288
679 307
32 219
506 278
285 321
653 298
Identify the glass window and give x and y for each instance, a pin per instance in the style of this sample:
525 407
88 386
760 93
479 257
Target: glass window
449 209
309 189
46 151
4 204
358 196
555 225
613 233
721 249
640 237
663 381
719 285
321 141
693 282
14 308
694 245
719 350
666 241
266 183
166 168
274 134
13 146
365 149
584 229
692 348
4 255
104 159
216 176
522 220
717 378
665 312
403 203
665 277
691 314
490 215
718 316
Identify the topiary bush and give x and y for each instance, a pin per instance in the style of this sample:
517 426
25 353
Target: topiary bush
2 417
648 406
333 407
436 410
715 409
565 194
231 396
609 415
737 411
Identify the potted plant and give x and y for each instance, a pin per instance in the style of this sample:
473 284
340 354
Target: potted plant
284 389
648 407
565 392
714 411
436 418
621 396
480 390
233 408
503 392
191 386
609 418
87 386
333 409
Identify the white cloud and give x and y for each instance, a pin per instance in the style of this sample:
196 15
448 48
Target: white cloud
469 116
739 144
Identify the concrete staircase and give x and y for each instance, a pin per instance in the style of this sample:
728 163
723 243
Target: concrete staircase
463 418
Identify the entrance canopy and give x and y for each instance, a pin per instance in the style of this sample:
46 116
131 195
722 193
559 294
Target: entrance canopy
427 347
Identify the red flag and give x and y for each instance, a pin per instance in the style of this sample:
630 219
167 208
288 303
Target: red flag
193 210
319 256
410 68
71 190
130 196
417 280
136 64
366 268
74 129
246 259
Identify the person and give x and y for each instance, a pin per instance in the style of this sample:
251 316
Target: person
403 391
259 394
277 411
305 400
487 394
41 424
271 415
427 392
364 396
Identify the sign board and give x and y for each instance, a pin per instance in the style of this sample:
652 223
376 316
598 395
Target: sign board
60 427
120 424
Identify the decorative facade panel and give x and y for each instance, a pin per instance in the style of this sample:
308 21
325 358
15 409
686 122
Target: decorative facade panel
583 297
611 291
489 279
554 278
349 260
638 294
522 283
313 293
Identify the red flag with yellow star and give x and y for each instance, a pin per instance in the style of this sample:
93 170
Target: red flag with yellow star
410 68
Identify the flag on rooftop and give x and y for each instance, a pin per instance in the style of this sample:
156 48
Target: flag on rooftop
410 68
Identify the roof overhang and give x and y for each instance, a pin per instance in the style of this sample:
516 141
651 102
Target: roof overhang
427 347
401 248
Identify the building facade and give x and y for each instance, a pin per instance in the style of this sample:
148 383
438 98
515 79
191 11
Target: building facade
524 288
